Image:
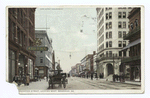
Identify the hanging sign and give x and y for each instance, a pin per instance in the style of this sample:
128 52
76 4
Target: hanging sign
37 42
35 48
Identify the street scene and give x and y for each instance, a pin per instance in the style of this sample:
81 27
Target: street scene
76 84
92 48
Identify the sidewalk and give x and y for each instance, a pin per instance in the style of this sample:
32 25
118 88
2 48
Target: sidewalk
129 82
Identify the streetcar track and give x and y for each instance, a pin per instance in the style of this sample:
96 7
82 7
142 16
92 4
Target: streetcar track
107 85
100 86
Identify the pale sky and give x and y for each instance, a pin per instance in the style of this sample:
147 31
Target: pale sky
65 25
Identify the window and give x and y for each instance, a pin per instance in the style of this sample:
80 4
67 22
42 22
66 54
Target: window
107 26
124 24
106 35
136 22
41 51
124 14
13 31
119 34
110 43
110 25
110 34
18 31
106 44
24 43
120 53
131 26
119 14
124 33
41 59
106 16
106 53
41 39
124 53
120 44
124 43
110 53
110 15
119 24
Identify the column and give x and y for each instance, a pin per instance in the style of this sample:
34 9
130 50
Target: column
105 70
17 61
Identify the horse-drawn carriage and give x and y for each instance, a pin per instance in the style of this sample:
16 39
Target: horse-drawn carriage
57 78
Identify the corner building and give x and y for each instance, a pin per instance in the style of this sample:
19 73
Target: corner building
112 25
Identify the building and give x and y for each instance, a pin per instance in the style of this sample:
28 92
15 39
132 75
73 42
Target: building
44 58
132 64
53 60
112 25
21 25
94 63
73 71
77 69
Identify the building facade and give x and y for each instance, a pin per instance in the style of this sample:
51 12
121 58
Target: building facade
21 25
44 58
73 71
112 25
132 64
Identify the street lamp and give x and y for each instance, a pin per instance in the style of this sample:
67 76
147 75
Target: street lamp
26 68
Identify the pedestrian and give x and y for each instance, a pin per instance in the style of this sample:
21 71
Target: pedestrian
87 76
91 76
114 77
96 76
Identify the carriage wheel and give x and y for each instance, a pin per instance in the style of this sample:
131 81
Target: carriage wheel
60 85
64 84
52 85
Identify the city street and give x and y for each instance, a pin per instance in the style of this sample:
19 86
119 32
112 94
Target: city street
76 83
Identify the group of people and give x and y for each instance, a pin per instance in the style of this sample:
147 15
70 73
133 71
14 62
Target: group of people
120 78
101 75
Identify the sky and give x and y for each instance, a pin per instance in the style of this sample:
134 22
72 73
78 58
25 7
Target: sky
72 30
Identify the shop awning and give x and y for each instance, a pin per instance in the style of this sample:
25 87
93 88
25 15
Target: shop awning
132 44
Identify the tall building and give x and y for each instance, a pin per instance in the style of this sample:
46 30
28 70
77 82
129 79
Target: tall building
132 64
44 58
21 25
112 25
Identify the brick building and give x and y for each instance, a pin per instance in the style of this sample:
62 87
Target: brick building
21 25
132 64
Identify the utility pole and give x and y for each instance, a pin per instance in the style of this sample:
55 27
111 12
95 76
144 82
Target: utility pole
113 64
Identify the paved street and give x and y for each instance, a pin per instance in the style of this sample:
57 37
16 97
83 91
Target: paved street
76 83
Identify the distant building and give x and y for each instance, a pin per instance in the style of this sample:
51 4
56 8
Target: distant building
77 68
112 25
73 71
44 58
131 66
94 63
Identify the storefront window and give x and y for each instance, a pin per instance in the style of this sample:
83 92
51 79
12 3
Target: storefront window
11 65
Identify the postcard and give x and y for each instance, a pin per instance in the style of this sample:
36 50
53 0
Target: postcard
75 49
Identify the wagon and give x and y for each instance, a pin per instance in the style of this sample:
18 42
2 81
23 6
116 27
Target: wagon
58 78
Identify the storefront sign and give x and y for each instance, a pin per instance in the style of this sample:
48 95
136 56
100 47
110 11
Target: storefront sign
36 48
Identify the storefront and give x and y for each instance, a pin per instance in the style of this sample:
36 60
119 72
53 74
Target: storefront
12 63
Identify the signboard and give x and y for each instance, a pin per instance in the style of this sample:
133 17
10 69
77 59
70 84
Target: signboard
35 48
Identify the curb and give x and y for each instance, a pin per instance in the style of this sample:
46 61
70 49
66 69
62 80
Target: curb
126 83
